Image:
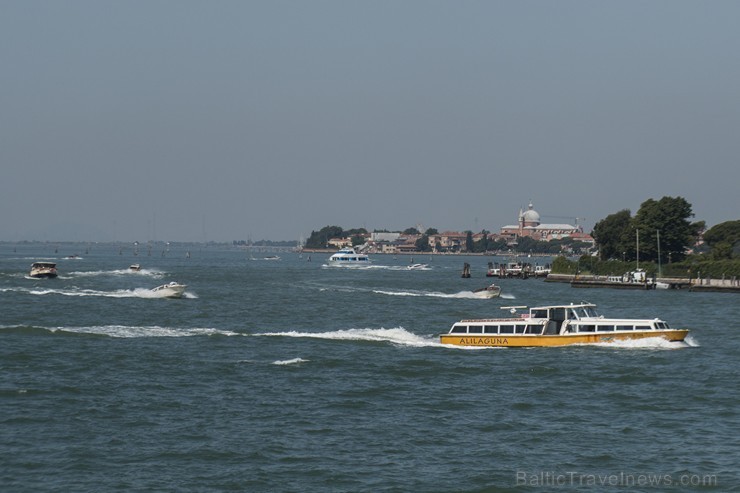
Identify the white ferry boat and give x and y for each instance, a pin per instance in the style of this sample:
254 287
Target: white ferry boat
43 269
556 325
349 257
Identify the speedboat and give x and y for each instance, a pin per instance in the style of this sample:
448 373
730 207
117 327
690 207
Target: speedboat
349 257
135 267
43 269
491 291
170 290
556 325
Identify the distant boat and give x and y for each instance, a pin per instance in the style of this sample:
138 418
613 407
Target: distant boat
43 269
491 291
135 267
170 290
272 257
349 257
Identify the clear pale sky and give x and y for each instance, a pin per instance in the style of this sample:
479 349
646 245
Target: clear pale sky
223 120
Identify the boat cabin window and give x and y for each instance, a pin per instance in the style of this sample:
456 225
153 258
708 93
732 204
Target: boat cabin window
507 329
605 328
459 329
624 327
491 329
519 329
533 329
475 329
643 327
586 328
557 314
539 313
662 326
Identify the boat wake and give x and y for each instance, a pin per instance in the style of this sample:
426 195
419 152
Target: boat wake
120 293
655 343
123 331
399 336
470 295
117 272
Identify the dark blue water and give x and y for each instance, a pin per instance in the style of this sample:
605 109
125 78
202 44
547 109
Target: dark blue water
285 375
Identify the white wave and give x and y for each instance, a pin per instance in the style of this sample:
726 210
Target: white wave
470 295
123 331
646 343
398 336
118 272
120 293
293 361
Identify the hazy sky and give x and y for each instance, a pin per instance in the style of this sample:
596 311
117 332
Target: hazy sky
220 120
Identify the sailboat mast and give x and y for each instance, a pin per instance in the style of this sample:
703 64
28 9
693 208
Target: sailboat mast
637 253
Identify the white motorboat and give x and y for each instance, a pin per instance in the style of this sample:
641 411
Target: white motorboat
135 267
170 290
349 257
491 291
43 269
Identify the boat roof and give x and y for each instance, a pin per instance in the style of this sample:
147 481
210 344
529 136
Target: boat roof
571 305
47 264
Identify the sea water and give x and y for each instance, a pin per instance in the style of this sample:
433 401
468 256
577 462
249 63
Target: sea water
289 375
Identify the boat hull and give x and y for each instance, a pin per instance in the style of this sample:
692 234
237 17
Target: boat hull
521 340
170 290
43 275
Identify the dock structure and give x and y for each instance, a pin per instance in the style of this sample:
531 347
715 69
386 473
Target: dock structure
698 284
466 270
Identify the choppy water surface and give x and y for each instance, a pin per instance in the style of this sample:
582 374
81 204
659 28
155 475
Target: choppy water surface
287 375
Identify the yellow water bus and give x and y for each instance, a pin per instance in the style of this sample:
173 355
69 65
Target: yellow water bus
556 325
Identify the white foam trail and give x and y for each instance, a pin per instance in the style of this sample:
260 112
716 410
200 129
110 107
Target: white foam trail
118 272
398 336
691 342
123 331
470 295
293 361
646 343
121 293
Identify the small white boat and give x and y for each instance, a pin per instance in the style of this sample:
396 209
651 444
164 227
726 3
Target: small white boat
43 269
417 266
491 291
349 257
135 267
170 290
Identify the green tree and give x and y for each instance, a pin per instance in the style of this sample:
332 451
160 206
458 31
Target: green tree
612 235
320 239
723 239
669 219
422 244
469 241
411 231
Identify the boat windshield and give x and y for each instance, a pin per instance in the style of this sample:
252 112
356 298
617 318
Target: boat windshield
586 312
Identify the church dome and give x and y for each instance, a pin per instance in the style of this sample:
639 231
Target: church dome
531 216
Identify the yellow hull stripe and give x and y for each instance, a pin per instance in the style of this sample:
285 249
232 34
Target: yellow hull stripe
517 340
